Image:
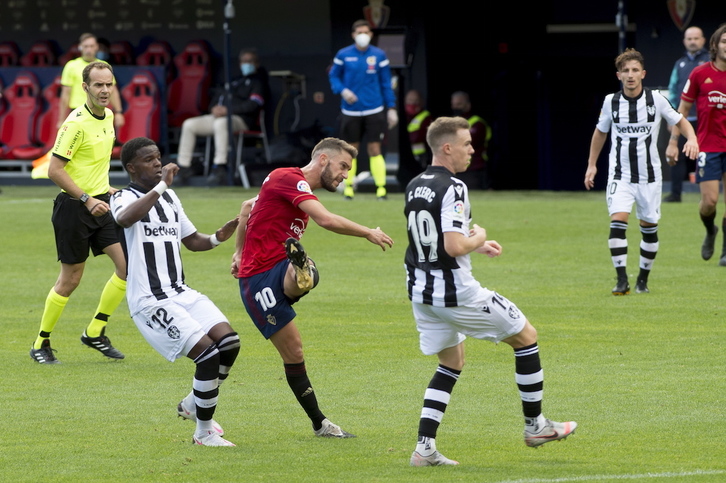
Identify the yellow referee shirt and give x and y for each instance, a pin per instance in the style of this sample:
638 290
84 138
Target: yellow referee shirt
85 141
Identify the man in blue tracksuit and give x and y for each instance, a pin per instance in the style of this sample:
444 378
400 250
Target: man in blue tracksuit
695 55
361 74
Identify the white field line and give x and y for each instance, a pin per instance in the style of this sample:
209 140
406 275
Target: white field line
638 476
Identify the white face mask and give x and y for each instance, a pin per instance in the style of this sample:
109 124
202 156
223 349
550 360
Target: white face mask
362 40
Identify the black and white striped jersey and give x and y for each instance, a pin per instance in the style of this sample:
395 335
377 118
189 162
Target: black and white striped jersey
153 247
634 125
437 202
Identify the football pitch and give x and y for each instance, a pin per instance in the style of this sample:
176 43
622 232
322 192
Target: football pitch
643 375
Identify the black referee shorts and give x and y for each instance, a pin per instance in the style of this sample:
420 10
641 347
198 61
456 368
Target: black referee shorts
77 231
352 128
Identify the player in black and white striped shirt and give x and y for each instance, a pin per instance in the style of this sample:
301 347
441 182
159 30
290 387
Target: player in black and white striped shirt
449 304
175 319
634 116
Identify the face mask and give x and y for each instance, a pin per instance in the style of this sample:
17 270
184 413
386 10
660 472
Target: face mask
411 109
247 68
362 40
101 55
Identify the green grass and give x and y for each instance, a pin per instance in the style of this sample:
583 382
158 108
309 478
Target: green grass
643 374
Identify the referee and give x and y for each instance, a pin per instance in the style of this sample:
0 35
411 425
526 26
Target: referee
81 219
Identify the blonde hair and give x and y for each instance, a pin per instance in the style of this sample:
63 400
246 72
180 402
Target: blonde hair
443 129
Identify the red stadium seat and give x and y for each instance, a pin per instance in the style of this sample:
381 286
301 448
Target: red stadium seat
3 104
9 54
143 110
121 52
159 54
189 91
17 126
47 127
69 54
41 54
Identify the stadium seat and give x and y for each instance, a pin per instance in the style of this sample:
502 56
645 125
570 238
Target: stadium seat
158 53
121 52
41 54
47 125
143 110
189 91
69 54
3 104
9 54
17 126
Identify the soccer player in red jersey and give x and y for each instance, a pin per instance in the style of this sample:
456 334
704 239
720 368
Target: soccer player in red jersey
706 87
273 269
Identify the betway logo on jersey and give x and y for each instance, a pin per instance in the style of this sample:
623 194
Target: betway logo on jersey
718 98
160 231
629 129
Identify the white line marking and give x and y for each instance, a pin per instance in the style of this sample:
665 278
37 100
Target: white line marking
641 476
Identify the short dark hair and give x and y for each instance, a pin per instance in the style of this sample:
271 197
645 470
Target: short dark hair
360 23
627 56
94 65
131 147
715 38
333 145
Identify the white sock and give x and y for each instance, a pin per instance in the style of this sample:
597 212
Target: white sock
534 425
426 446
203 427
189 403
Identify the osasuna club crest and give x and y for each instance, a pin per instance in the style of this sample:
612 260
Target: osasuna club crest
681 12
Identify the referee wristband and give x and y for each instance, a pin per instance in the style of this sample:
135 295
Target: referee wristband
160 188
213 240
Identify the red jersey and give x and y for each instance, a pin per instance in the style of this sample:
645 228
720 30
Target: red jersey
706 87
274 218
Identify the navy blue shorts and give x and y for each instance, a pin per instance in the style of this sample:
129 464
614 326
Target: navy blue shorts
264 298
710 166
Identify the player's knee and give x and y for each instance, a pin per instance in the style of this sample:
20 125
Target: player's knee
207 363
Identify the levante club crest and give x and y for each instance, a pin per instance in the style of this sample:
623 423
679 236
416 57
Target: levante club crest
681 12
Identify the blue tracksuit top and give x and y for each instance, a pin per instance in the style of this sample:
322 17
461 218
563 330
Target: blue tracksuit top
679 76
368 75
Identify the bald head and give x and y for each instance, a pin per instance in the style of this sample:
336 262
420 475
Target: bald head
693 39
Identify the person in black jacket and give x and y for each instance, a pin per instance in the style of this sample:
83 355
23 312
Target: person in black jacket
249 92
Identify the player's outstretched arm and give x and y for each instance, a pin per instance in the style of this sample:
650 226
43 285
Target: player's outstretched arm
343 226
199 242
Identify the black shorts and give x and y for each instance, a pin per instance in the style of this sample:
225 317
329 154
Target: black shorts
77 230
353 128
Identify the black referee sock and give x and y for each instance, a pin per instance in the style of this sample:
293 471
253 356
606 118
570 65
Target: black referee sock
297 379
